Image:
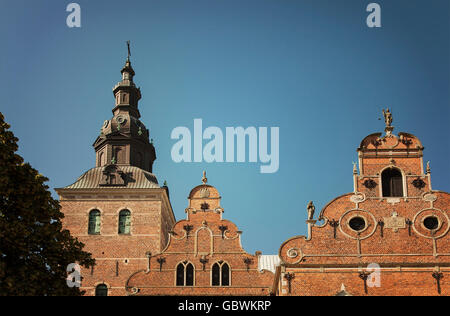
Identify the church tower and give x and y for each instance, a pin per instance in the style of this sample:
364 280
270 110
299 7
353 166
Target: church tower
118 209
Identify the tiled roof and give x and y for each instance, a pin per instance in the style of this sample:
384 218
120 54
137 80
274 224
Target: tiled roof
139 179
268 262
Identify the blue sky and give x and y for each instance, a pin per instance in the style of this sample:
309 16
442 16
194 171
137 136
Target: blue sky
312 68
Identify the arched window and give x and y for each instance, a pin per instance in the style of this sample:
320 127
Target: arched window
101 290
392 182
180 275
94 222
189 275
225 275
220 274
100 159
124 222
185 274
216 275
119 155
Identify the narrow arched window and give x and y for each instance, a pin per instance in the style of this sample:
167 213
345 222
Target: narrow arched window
185 274
189 275
225 275
216 275
220 274
124 222
180 275
94 222
100 160
101 290
392 182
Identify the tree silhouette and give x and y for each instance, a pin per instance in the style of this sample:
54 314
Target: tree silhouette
34 249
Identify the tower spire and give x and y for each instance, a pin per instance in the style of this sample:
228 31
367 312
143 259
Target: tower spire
129 51
124 139
126 93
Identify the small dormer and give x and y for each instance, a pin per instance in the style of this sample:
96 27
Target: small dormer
391 166
204 198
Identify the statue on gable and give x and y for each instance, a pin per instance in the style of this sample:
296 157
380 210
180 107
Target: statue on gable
311 209
387 117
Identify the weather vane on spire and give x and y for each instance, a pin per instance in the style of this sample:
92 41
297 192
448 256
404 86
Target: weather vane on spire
129 51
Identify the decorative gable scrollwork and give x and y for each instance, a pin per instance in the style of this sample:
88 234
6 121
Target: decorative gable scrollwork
370 184
418 183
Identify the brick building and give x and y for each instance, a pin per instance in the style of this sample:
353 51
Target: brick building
125 219
204 256
117 209
387 237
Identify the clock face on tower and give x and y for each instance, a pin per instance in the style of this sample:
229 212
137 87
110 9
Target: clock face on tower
121 119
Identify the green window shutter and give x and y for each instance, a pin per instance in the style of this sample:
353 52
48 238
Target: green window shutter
128 224
91 229
97 224
124 222
94 222
121 224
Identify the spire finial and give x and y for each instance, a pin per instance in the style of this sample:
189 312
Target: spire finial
204 179
129 51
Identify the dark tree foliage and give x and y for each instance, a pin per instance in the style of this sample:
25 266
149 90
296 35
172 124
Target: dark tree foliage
34 249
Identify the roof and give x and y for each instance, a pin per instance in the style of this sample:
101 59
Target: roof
268 262
137 179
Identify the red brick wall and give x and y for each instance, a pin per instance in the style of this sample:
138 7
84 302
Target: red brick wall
322 262
117 256
205 240
409 282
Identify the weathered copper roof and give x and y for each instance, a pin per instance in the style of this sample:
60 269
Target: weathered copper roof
138 179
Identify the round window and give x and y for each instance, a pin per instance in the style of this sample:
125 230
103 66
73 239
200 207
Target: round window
357 223
431 222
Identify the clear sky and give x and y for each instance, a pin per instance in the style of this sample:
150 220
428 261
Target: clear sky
312 68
